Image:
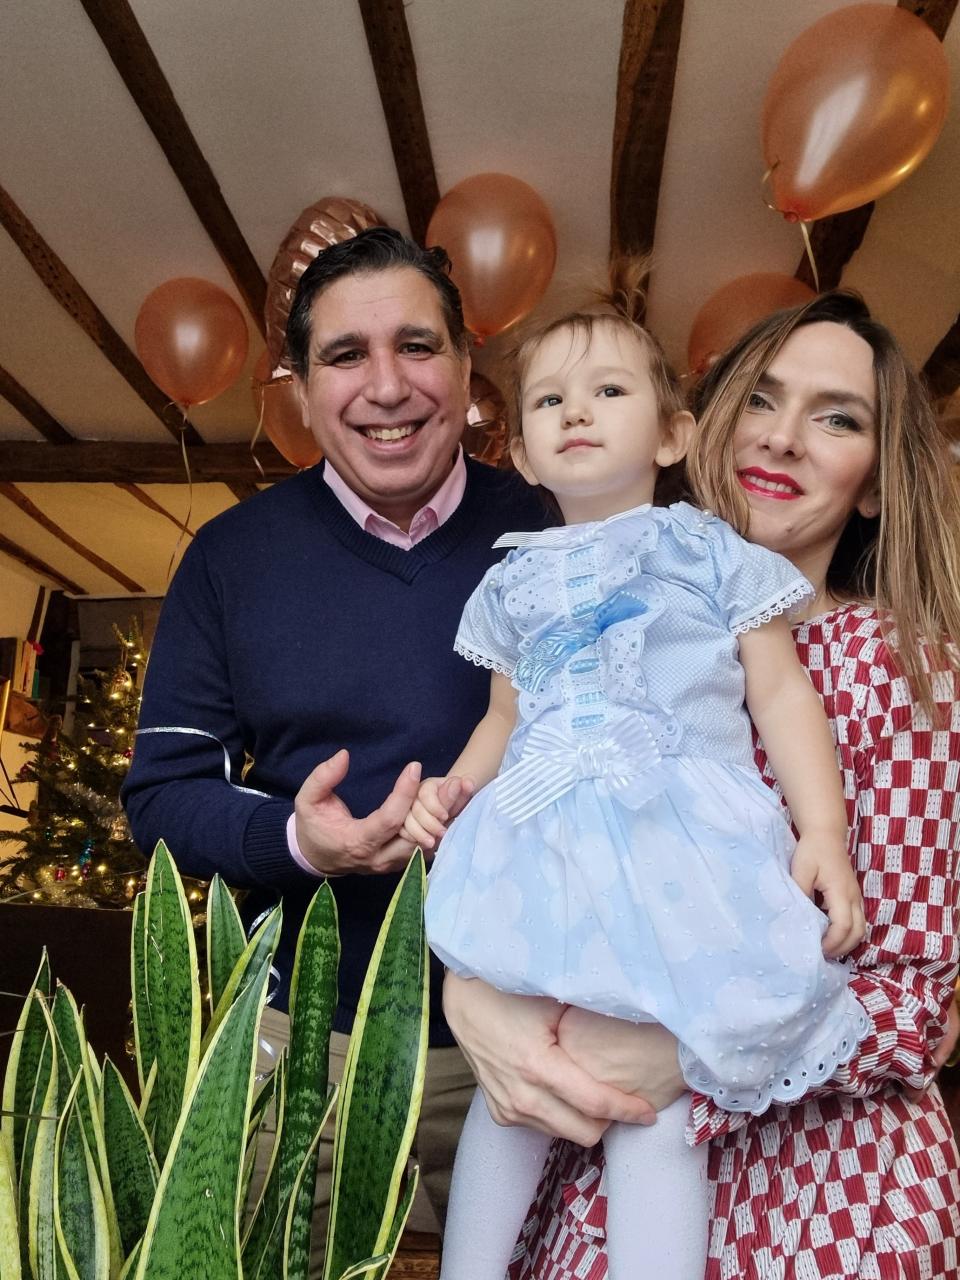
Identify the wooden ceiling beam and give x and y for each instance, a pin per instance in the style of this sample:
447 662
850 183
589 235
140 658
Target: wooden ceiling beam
80 307
140 71
112 462
391 51
14 393
20 500
151 504
836 239
242 489
942 370
13 549
649 44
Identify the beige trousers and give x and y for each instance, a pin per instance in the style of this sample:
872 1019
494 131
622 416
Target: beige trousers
448 1089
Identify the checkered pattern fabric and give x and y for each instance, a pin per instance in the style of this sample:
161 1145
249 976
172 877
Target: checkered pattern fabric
854 1181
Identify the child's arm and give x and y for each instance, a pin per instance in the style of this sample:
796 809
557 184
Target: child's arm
796 737
440 799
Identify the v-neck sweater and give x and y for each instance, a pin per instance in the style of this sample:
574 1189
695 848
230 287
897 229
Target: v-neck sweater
289 632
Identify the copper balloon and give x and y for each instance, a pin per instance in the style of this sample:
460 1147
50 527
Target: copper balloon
192 340
736 307
485 436
853 107
320 225
277 407
503 246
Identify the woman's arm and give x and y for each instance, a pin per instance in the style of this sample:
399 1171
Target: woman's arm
795 732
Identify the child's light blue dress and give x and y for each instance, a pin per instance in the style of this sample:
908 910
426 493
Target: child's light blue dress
629 859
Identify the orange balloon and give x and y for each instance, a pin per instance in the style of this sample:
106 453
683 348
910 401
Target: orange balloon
327 222
736 307
503 246
277 407
192 340
855 104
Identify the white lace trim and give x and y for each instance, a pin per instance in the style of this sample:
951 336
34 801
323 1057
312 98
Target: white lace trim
786 602
804 1073
481 659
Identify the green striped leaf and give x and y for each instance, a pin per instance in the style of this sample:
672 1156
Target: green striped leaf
365 1268
260 947
9 1236
127 1269
75 1059
144 1034
193 1229
313 1000
263 1223
225 938
382 1083
80 1214
399 1222
172 992
22 1066
133 1170
39 1151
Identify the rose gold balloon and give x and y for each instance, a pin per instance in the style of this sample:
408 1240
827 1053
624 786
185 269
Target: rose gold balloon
277 406
192 340
503 246
855 104
485 437
736 307
320 225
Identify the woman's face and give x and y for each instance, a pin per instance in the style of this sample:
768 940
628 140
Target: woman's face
805 448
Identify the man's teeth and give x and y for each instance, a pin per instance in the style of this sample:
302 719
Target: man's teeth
775 486
389 433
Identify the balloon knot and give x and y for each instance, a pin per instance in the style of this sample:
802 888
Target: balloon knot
792 216
479 340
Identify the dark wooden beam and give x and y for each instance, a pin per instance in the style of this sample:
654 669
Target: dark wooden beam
12 391
391 51
36 565
144 498
110 462
80 306
20 500
836 239
942 370
140 71
649 45
242 489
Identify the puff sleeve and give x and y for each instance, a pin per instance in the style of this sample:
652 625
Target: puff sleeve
486 636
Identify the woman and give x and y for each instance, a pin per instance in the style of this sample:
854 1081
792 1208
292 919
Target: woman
825 442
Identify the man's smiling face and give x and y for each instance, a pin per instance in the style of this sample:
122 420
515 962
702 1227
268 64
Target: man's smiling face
386 392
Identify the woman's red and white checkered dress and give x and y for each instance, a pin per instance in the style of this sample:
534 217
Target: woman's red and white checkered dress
854 1181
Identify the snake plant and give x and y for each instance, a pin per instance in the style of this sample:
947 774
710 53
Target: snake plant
99 1184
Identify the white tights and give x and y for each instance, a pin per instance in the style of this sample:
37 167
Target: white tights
656 1197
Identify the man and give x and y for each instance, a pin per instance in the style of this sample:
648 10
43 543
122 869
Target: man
309 632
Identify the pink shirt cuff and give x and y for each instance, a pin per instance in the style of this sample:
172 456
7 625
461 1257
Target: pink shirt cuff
294 848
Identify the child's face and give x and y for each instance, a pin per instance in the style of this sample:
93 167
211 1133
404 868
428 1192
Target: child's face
592 428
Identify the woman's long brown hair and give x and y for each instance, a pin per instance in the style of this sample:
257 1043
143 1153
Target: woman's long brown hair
907 559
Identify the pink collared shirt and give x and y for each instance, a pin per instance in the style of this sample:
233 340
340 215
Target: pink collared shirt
426 521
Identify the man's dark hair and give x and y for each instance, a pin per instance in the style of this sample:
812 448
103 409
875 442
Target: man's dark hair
377 249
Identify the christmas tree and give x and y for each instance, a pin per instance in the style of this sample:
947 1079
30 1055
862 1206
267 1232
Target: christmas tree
76 848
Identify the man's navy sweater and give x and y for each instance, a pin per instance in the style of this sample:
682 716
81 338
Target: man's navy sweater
288 632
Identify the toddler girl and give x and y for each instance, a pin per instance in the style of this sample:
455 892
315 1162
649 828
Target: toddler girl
626 856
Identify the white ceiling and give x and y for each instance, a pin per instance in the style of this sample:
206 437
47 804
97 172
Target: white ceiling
282 100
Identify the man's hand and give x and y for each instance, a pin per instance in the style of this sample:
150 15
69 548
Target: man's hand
511 1045
337 843
438 800
636 1057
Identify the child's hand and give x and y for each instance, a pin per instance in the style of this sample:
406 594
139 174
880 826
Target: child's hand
820 863
438 800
